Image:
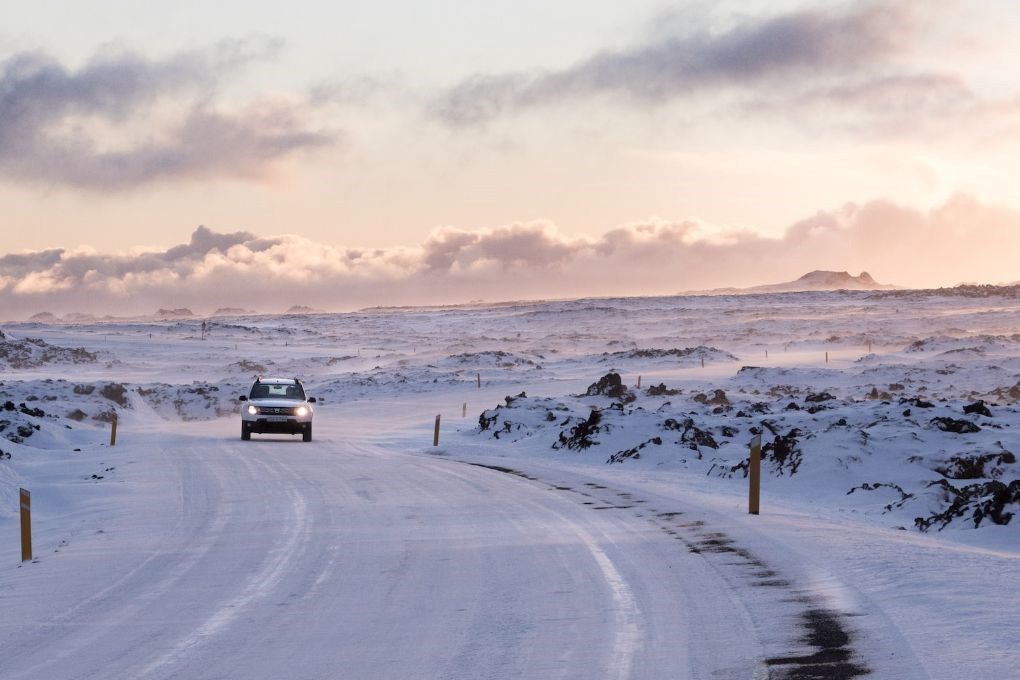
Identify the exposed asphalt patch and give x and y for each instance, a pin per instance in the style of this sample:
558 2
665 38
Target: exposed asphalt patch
505 470
832 658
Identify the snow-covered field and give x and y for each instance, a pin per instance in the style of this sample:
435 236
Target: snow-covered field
572 523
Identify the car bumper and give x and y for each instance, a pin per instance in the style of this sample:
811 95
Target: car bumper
289 426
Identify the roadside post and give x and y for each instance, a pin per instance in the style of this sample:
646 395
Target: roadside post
754 476
639 382
26 525
463 411
113 430
435 437
826 357
478 378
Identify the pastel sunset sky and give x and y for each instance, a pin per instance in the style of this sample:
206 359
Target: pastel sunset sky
342 154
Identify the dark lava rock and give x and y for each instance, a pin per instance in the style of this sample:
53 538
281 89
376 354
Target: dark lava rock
718 398
84 389
977 407
582 436
793 406
983 466
661 390
904 496
819 397
77 415
784 451
34 412
611 385
621 456
115 392
917 402
653 353
9 406
955 425
975 502
510 400
690 434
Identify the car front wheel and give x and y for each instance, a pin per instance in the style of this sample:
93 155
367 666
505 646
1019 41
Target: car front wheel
306 436
245 431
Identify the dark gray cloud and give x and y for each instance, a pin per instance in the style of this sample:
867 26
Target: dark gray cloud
61 126
808 46
203 241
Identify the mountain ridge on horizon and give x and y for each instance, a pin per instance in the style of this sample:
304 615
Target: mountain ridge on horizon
816 280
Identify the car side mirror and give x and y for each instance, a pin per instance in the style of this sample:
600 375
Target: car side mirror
242 398
311 400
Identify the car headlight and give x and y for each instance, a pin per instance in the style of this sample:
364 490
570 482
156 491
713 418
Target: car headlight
301 411
253 409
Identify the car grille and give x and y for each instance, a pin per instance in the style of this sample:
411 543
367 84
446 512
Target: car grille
276 411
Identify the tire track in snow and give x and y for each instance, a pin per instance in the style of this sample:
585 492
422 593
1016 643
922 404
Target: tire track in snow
627 613
257 587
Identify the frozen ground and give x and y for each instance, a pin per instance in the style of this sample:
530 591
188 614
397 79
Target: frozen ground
571 524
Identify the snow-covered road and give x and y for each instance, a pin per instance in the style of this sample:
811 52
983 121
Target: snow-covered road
336 559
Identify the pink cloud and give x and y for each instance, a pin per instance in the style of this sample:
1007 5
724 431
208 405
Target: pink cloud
960 240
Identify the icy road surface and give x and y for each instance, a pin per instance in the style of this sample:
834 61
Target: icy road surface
275 559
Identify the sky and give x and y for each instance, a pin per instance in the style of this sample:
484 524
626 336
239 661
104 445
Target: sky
346 154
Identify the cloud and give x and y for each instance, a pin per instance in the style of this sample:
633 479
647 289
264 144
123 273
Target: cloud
960 240
817 49
122 120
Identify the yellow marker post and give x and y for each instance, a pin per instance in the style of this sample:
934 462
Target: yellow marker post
754 476
26 525
435 437
113 430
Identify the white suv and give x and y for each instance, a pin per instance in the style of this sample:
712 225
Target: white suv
277 405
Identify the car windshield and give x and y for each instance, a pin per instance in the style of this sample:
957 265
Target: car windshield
262 390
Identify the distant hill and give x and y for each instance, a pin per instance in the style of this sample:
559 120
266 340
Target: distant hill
817 280
233 311
302 309
179 313
44 317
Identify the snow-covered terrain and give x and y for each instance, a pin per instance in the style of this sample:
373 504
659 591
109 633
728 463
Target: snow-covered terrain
583 517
